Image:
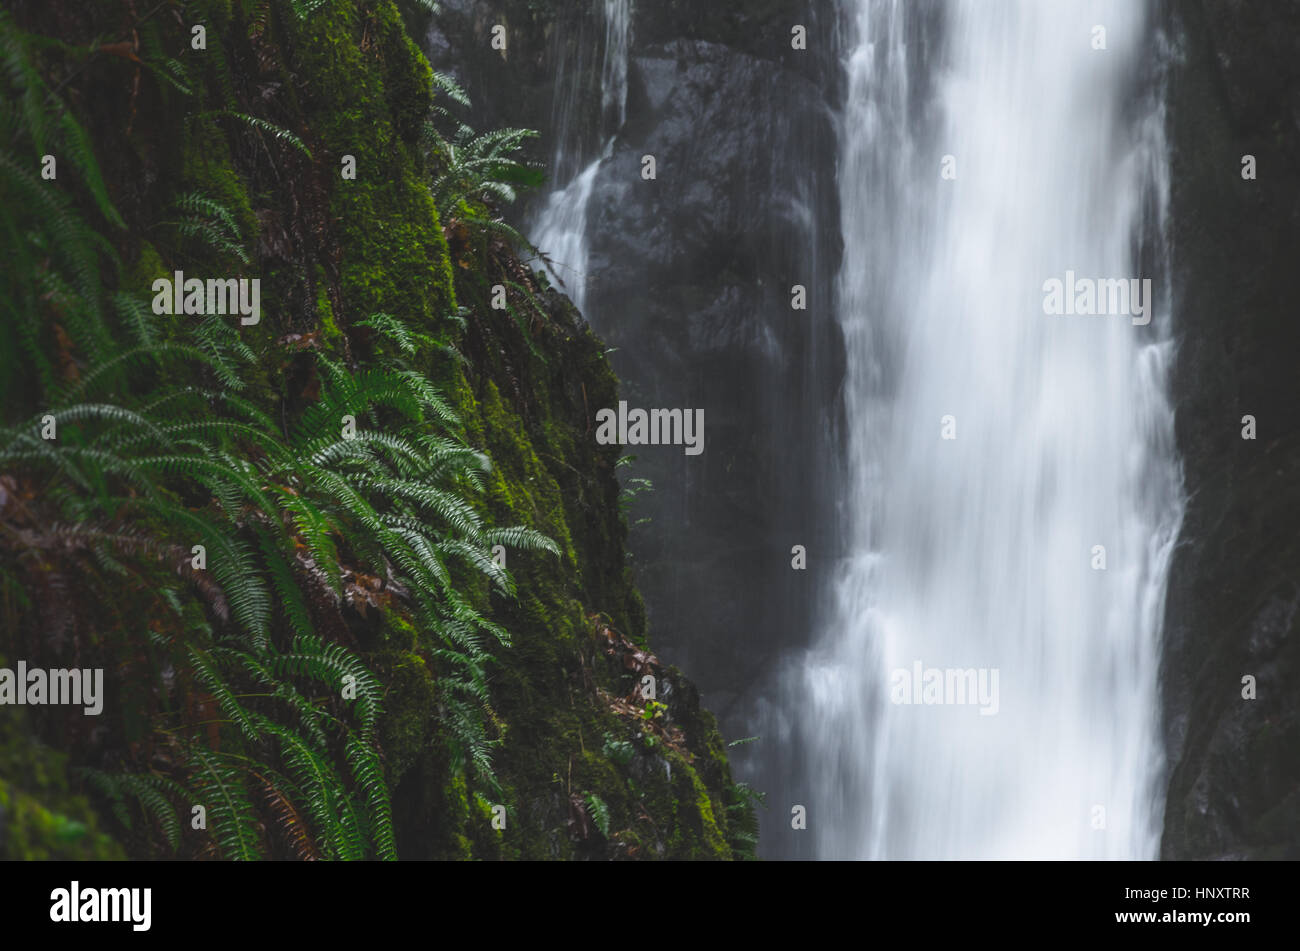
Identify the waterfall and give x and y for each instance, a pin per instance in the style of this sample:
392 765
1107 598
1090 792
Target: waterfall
560 230
982 553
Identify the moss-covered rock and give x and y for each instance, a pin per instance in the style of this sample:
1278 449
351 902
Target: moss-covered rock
40 818
580 770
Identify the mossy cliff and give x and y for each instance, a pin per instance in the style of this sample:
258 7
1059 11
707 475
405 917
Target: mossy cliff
585 764
589 765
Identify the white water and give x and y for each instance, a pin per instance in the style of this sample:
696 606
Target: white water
976 552
561 229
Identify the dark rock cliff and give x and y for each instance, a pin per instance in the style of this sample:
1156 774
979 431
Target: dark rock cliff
1234 596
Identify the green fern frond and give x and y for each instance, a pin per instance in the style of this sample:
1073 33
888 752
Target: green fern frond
336 667
320 787
126 362
302 9
277 132
390 326
135 315
206 671
149 790
449 87
211 222
221 789
286 587
369 775
522 538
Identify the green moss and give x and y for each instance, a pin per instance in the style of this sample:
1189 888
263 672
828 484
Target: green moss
394 257
392 251
541 504
712 842
330 331
410 712
40 818
207 167
31 832
147 268
549 473
408 78
351 81
457 803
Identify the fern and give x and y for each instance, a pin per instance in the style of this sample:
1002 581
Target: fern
369 775
742 819
207 673
303 9
390 326
598 811
334 666
166 440
277 132
481 167
279 796
210 222
220 788
149 791
452 90
321 790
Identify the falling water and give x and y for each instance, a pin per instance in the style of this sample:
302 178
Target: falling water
561 229
978 552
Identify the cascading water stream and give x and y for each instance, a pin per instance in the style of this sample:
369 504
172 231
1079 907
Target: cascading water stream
561 228
978 552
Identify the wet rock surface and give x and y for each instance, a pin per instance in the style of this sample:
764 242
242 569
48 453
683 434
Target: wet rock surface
1234 597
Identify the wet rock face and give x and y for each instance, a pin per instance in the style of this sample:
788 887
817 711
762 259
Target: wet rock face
1234 598
518 86
690 278
1257 49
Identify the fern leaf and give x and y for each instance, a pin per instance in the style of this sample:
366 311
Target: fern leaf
221 789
